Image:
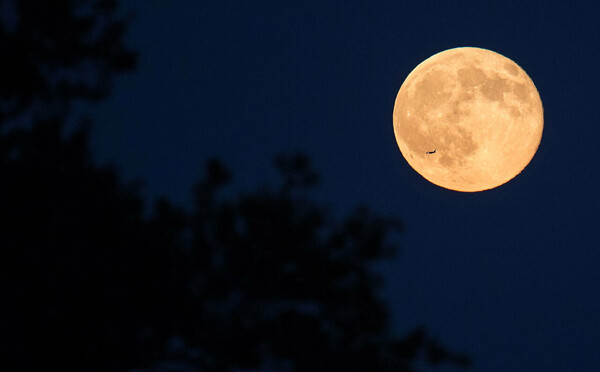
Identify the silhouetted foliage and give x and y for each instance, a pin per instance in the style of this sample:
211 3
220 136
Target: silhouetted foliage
56 51
282 283
267 279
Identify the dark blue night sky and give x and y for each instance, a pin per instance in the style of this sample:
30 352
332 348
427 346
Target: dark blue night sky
509 275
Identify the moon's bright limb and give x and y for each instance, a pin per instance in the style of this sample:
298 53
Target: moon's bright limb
468 119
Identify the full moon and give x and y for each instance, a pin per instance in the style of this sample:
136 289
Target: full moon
468 119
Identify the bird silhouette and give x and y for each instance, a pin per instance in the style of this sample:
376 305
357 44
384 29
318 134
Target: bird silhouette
431 152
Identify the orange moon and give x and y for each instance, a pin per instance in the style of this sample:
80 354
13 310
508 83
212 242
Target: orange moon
468 119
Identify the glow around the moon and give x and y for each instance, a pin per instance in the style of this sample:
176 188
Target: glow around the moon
468 119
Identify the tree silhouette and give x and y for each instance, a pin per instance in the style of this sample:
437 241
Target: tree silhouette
267 279
282 282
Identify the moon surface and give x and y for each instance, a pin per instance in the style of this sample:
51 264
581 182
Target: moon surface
468 119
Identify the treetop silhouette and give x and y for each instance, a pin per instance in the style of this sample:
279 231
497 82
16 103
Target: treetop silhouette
57 51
